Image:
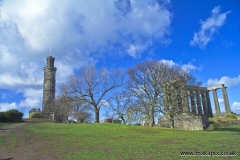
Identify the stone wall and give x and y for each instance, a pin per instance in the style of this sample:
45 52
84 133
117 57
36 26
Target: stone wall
238 116
185 122
220 124
110 120
50 116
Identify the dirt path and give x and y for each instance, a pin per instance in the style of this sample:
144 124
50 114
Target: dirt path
16 148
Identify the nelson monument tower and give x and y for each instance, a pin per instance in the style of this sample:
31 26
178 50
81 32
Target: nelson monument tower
49 84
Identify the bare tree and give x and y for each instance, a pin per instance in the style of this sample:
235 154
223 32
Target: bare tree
59 107
82 116
92 85
144 84
152 82
119 104
63 108
135 114
82 112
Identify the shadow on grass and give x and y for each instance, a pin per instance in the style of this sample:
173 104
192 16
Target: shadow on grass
233 128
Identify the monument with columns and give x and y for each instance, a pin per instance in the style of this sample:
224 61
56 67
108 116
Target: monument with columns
225 99
192 106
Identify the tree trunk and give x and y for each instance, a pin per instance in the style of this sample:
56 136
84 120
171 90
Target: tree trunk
124 121
81 120
171 121
96 115
171 124
151 123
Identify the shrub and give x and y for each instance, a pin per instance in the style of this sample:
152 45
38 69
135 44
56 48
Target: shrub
71 121
233 116
2 117
13 115
37 115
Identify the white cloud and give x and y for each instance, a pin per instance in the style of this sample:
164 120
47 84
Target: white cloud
227 81
29 102
7 106
186 67
4 96
189 67
227 43
209 27
77 35
10 81
71 24
33 92
32 99
235 106
104 103
220 100
169 62
135 50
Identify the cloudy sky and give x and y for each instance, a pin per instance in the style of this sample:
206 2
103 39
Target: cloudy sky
202 36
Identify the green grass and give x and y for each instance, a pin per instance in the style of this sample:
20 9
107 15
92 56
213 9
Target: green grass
116 141
12 138
3 142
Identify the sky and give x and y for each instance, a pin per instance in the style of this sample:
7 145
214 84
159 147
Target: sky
201 36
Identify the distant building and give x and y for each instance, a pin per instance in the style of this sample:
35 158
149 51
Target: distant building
111 120
34 111
49 86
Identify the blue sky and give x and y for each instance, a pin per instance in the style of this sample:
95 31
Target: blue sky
201 36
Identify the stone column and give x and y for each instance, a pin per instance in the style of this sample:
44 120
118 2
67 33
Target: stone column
226 102
209 106
216 102
173 98
199 107
193 105
179 98
189 100
165 100
204 102
185 100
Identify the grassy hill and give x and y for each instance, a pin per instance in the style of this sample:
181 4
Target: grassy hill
117 141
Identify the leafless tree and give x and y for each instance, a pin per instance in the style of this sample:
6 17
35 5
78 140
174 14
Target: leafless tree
144 84
63 108
152 82
92 85
135 114
83 116
82 112
119 104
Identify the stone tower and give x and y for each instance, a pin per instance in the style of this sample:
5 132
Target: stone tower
49 81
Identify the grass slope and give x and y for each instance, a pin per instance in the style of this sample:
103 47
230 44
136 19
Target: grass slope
116 141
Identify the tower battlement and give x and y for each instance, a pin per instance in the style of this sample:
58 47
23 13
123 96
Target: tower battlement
50 62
